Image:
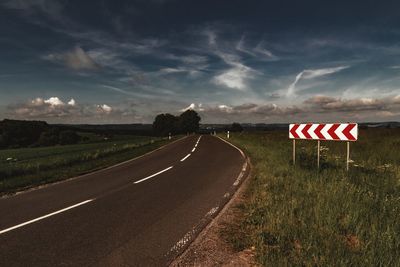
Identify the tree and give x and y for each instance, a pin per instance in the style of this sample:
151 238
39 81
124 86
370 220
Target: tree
189 121
164 124
18 133
236 127
48 138
69 137
2 141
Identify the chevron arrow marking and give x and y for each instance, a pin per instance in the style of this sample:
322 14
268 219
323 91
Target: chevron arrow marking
322 131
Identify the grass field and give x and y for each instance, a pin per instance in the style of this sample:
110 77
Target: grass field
299 216
26 167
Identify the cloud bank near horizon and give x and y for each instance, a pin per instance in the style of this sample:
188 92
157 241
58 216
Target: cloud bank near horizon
328 109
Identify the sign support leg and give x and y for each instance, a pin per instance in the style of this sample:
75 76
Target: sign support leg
294 152
318 149
348 156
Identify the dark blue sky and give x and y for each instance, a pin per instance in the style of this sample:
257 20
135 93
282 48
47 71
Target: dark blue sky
247 61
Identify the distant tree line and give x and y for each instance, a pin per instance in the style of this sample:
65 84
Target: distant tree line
17 133
109 130
187 122
236 127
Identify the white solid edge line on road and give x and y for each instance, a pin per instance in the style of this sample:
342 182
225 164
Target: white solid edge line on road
241 152
151 176
188 155
193 149
45 216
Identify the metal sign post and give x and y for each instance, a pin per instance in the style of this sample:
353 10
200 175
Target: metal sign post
318 149
294 151
327 132
348 156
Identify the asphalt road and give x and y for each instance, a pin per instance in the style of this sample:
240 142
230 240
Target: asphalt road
133 214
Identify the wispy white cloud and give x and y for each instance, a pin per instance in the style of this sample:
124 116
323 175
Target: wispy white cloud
54 101
72 102
76 59
225 108
190 107
172 70
311 74
46 13
104 108
211 36
193 106
132 45
119 90
147 92
290 90
194 59
192 71
263 51
237 76
108 58
48 7
240 46
258 52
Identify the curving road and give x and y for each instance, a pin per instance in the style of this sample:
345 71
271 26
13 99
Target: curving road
138 213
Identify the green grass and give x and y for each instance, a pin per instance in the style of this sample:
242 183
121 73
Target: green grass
34 166
299 216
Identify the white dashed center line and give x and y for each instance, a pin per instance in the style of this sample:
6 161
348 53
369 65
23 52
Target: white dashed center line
45 216
188 155
151 176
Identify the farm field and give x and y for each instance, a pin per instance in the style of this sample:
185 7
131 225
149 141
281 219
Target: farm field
299 216
27 167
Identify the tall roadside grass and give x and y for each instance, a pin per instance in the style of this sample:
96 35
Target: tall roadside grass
26 167
299 216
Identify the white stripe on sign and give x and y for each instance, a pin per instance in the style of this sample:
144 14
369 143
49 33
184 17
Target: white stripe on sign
151 176
45 216
339 131
325 130
301 127
354 131
311 131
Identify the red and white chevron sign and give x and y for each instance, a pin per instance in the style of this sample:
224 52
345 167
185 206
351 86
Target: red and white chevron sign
320 131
